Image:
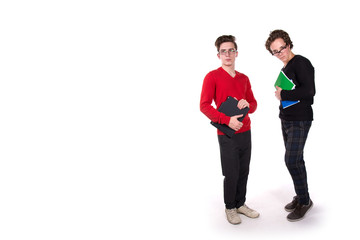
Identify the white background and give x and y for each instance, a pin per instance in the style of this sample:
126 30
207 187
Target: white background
101 135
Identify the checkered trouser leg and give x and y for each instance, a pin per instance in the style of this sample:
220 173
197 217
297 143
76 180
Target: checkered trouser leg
295 134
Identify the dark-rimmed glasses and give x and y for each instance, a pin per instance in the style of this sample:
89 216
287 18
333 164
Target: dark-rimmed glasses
278 52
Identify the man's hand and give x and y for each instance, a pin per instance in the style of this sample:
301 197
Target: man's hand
234 123
278 93
243 104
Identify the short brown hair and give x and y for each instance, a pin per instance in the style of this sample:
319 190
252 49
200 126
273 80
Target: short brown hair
225 38
278 34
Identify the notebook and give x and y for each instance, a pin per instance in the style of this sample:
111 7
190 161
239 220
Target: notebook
229 108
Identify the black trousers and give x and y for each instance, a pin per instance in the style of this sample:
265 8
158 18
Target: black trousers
235 160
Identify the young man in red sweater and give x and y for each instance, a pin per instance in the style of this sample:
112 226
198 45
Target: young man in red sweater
235 151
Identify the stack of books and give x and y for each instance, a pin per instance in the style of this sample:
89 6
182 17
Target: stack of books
286 84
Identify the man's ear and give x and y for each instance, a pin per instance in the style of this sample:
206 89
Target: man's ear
218 55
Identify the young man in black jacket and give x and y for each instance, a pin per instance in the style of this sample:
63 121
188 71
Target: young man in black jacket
296 120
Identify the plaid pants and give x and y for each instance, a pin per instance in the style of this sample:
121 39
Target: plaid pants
295 134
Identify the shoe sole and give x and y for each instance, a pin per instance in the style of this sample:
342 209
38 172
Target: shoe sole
248 215
296 220
234 223
289 210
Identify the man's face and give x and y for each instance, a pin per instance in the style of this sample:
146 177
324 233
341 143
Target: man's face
280 49
227 54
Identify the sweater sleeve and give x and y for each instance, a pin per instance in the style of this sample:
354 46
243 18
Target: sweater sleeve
250 98
206 99
304 73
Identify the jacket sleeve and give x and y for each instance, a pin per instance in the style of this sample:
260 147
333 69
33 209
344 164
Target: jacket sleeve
207 96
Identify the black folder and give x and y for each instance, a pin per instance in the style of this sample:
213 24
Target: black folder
229 108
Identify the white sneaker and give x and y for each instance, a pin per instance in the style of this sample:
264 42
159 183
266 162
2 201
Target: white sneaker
232 216
248 211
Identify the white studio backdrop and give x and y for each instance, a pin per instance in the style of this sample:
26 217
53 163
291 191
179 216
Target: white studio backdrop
101 135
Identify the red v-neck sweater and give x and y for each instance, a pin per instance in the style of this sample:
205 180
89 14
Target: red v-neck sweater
217 86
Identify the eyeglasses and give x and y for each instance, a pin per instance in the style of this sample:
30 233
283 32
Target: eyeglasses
278 52
230 51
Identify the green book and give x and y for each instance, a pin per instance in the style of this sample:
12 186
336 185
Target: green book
284 82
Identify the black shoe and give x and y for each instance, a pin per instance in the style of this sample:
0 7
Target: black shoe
299 212
291 206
